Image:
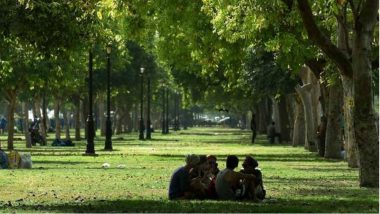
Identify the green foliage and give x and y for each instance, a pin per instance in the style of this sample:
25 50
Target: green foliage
265 76
51 25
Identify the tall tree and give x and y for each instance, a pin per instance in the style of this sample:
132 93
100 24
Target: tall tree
365 15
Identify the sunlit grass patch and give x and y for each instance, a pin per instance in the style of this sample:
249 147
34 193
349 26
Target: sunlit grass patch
63 180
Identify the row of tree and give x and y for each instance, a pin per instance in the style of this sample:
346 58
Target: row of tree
237 55
250 49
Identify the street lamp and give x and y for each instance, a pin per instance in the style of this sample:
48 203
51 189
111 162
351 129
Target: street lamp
148 131
141 135
108 143
90 150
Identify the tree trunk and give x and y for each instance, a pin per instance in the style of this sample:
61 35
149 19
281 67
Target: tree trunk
284 120
26 125
57 119
304 92
102 119
11 97
66 122
365 18
45 119
314 95
324 98
290 106
264 115
333 140
366 134
349 135
77 122
125 122
348 86
135 118
114 119
37 106
118 121
275 115
299 135
259 118
243 120
84 116
128 119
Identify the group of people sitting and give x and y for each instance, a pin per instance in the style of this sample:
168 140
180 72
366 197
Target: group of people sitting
201 178
15 160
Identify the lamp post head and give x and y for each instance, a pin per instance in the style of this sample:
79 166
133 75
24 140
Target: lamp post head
109 49
142 70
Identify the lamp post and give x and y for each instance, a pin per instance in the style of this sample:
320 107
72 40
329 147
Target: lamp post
141 135
148 129
90 150
108 143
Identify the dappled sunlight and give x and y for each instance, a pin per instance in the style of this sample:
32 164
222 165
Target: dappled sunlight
63 180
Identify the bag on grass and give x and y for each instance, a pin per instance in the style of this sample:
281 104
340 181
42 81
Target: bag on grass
14 159
26 161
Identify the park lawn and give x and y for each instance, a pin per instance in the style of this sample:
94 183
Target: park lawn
62 180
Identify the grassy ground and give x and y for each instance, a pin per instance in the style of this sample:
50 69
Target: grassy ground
62 180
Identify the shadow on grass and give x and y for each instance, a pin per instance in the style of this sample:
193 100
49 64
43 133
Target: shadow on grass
315 181
214 133
51 149
361 194
221 157
324 169
261 157
162 139
67 162
165 206
197 133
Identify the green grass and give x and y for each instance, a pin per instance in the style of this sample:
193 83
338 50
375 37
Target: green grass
62 180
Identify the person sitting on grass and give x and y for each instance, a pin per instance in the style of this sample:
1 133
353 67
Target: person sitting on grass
228 185
199 176
179 187
250 166
214 170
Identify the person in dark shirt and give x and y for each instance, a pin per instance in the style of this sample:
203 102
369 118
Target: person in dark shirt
179 187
